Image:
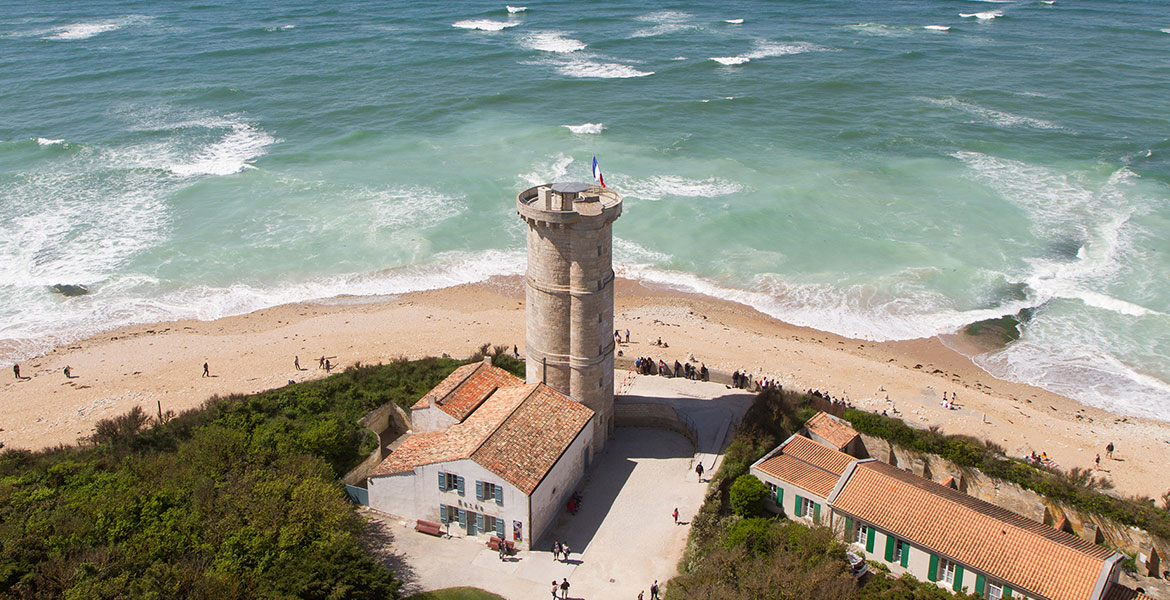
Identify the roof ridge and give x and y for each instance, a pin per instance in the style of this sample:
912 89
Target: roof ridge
463 381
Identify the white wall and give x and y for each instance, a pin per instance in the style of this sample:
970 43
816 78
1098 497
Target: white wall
550 496
430 419
790 494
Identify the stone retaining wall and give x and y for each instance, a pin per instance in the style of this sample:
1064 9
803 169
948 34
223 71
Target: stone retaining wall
387 422
648 414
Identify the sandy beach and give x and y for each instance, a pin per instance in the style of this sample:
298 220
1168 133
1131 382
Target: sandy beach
162 363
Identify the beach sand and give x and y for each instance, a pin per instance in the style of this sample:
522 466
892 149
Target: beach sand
162 363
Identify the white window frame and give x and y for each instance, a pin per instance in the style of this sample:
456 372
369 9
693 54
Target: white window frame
946 569
806 509
452 482
899 548
994 591
862 533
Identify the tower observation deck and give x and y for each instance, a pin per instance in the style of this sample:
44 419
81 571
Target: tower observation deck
569 341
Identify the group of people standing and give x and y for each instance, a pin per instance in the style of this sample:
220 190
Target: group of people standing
648 366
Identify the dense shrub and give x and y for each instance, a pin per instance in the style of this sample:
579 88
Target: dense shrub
747 496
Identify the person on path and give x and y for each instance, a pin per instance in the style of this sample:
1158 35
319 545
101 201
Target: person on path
654 590
297 363
68 372
328 367
565 551
564 588
676 516
554 589
1109 450
627 336
321 362
1098 460
556 551
640 592
699 470
206 371
503 548
16 370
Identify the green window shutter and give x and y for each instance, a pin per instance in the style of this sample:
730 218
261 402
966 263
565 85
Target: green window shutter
1007 592
799 510
980 582
462 517
442 481
443 513
500 528
869 541
889 548
780 498
479 490
816 513
479 522
905 555
958 578
849 529
459 484
932 573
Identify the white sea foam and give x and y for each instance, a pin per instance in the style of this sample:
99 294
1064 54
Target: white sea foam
81 31
587 68
880 29
768 49
515 9
983 16
629 251
658 187
552 41
586 128
1166 30
995 117
937 27
553 169
231 154
665 22
734 21
48 142
484 24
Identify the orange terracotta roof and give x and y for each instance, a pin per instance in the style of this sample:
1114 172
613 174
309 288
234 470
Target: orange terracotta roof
1029 556
518 433
466 388
833 429
800 474
527 445
817 454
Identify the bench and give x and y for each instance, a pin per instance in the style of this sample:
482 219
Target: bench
429 527
494 543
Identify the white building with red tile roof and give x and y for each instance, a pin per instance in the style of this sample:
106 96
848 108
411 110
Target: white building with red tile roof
491 456
931 531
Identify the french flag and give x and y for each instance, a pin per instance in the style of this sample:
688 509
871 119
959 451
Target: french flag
597 173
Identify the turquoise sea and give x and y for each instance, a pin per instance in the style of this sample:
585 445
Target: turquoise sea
886 170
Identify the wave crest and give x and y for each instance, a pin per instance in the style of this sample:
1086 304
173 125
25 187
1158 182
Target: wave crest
483 24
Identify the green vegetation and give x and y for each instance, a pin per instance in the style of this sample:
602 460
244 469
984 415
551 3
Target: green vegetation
459 593
734 557
747 496
238 499
1075 488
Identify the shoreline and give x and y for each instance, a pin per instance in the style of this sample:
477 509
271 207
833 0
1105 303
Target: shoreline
162 363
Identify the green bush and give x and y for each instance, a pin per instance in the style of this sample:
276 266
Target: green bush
747 496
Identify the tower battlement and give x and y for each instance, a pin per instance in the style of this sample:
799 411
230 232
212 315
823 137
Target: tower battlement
569 342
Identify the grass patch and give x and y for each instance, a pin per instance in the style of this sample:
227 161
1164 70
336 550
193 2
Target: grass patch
456 593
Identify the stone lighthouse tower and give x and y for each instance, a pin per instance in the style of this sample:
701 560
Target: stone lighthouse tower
569 293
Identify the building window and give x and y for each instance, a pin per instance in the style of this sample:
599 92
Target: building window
994 591
450 481
862 533
899 550
946 569
807 508
489 491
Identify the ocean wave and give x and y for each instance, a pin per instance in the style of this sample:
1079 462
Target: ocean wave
937 27
1166 30
734 21
42 326
629 251
48 142
231 154
586 128
880 29
555 168
551 41
662 186
276 28
586 68
983 16
995 117
767 49
512 10
86 30
484 24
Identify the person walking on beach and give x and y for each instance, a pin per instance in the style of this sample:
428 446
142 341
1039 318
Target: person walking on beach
654 590
206 371
297 363
699 470
321 362
68 372
564 588
627 336
1109 450
1098 461
676 515
16 370
640 592
328 367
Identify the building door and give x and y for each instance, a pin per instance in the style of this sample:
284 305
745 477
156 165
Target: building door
472 519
